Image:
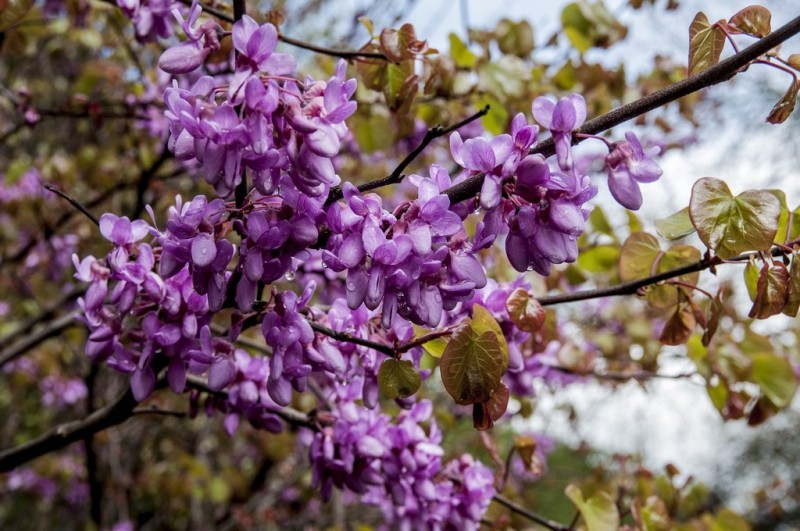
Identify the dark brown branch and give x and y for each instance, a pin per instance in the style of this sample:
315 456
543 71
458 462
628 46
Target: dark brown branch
52 329
533 517
70 432
74 202
26 327
718 73
344 54
349 338
95 487
397 175
630 288
240 192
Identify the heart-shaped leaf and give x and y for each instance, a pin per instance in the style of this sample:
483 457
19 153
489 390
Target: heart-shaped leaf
705 44
793 298
472 365
731 225
398 378
525 311
679 327
752 20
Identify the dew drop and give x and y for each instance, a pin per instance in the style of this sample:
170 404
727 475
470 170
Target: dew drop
324 265
477 211
530 268
289 275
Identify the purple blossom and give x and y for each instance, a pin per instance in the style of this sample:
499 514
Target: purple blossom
561 119
256 45
628 165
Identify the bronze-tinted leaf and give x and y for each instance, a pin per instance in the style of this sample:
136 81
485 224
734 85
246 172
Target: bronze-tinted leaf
12 11
679 327
472 365
714 311
526 448
398 378
730 225
793 298
784 108
525 311
483 321
705 44
753 20
772 291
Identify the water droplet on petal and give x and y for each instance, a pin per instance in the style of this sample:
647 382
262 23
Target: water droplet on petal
289 275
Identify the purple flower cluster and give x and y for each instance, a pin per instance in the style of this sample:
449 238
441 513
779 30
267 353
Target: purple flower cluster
416 266
194 237
248 396
151 18
398 467
134 314
544 212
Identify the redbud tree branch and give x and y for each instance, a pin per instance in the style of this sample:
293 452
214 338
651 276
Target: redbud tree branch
117 412
718 73
397 175
344 54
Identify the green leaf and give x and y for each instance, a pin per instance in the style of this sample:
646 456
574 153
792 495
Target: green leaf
462 55
785 106
731 225
483 321
772 291
676 226
599 259
751 272
496 120
641 256
600 223
752 20
634 224
793 298
525 311
398 378
577 27
514 38
12 11
776 378
504 78
472 365
599 511
705 44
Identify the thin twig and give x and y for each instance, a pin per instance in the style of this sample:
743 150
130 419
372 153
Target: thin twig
397 175
74 202
533 517
718 73
344 54
26 327
349 338
52 329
